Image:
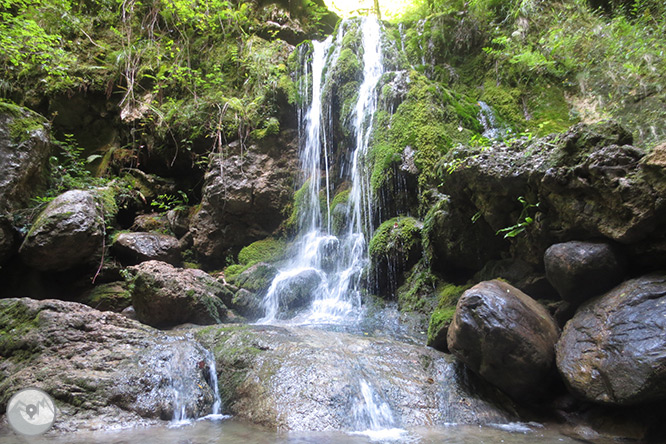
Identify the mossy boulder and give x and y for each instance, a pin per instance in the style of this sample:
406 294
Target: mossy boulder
69 232
394 248
256 278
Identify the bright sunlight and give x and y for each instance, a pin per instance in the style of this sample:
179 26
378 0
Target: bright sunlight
390 9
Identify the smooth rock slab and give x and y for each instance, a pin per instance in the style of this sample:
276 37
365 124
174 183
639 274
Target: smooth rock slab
614 349
132 248
506 337
103 370
290 378
164 296
582 270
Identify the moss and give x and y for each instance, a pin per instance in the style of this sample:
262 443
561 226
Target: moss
506 101
265 250
418 293
430 120
23 121
291 224
446 307
549 109
439 319
16 322
114 296
234 270
405 231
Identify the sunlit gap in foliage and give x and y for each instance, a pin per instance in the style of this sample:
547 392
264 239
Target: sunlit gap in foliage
389 9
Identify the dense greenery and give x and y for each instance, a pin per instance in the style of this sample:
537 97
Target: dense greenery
179 71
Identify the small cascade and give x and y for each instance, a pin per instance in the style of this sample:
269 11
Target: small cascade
211 379
491 130
183 380
327 267
373 417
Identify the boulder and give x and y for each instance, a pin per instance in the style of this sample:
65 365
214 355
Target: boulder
244 196
69 232
614 349
104 370
132 248
581 270
164 296
248 304
293 290
25 147
506 337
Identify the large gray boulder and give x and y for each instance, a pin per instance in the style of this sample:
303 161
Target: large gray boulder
506 337
581 270
25 147
164 296
132 248
614 349
244 197
103 369
69 232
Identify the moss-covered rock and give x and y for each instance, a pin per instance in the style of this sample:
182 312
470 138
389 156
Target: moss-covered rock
441 317
394 248
112 296
265 250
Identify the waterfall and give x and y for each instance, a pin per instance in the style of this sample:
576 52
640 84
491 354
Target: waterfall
329 267
491 129
182 381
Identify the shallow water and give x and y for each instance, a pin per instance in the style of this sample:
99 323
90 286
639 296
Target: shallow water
229 431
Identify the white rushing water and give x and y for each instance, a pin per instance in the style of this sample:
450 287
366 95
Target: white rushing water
181 382
330 267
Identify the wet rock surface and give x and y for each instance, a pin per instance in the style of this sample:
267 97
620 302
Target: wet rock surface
581 270
164 296
103 370
67 233
289 378
132 248
614 349
506 337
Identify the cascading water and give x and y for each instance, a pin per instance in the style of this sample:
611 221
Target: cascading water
491 129
333 285
181 380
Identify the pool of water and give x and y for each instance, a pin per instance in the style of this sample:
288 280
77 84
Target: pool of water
228 431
